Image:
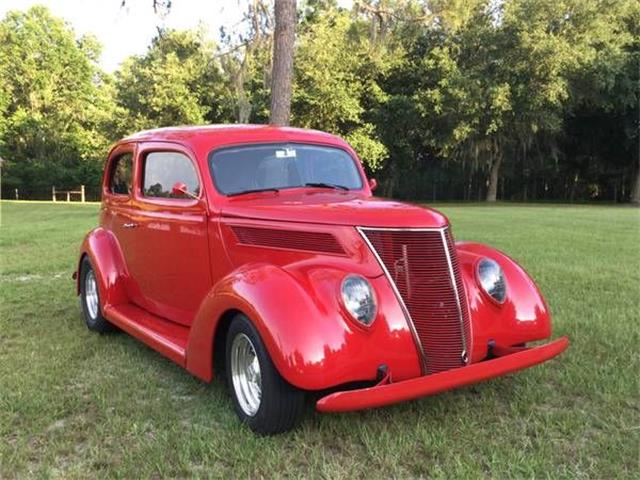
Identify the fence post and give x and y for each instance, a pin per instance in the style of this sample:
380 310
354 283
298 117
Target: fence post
17 196
82 193
53 193
68 196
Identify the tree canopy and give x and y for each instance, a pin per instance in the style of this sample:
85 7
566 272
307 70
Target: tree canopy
179 81
442 99
55 103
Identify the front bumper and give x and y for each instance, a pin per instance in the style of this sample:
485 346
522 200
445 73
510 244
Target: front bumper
390 393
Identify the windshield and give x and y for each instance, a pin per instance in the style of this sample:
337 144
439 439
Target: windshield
284 165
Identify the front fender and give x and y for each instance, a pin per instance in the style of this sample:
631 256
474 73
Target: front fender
523 317
311 340
108 263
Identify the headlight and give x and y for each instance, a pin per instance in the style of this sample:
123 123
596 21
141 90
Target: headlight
492 280
359 299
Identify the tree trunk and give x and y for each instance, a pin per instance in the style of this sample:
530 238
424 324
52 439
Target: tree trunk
635 190
282 70
574 188
492 190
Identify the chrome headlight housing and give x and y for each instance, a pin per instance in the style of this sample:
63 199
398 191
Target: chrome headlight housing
359 299
492 280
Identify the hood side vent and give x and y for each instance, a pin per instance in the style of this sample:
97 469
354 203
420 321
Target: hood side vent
319 242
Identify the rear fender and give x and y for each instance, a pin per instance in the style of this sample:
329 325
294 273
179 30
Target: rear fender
102 248
523 317
310 338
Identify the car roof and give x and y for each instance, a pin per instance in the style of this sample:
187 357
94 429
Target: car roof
215 135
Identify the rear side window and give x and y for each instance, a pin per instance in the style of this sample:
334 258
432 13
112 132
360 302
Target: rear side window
162 170
120 180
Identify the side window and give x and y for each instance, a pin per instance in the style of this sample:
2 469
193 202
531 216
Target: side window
121 174
162 170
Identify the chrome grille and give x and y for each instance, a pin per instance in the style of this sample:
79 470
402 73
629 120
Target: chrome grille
423 266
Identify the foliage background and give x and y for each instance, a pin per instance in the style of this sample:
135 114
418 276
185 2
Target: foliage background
443 99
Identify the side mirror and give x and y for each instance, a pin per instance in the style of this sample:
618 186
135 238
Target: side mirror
180 189
373 184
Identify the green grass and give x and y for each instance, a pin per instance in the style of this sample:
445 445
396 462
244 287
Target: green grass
75 404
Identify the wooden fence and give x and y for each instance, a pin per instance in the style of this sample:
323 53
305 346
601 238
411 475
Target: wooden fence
68 193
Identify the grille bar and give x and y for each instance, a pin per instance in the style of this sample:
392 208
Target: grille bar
463 355
465 317
422 268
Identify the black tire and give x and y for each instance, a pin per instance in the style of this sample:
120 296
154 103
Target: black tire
97 322
281 405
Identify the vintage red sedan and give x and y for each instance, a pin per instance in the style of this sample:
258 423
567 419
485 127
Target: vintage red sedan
259 252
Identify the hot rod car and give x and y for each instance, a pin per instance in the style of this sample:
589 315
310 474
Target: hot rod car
260 252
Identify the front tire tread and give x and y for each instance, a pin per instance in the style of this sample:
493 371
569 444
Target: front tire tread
98 324
282 405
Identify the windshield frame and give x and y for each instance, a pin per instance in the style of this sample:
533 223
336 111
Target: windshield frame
354 159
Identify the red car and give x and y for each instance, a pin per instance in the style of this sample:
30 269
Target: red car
260 252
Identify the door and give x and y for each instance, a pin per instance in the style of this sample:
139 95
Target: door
168 258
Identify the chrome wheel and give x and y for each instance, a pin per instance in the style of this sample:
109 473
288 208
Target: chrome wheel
245 374
91 294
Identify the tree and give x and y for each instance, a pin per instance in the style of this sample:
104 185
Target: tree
55 104
245 56
281 62
282 65
335 75
602 126
492 82
178 81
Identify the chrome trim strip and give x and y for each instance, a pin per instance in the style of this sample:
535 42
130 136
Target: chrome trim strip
464 354
416 339
393 229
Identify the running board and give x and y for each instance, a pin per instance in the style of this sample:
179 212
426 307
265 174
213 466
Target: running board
164 336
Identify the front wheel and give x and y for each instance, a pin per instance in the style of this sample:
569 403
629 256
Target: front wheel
90 299
261 397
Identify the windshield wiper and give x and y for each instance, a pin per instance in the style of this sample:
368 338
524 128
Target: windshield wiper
254 190
326 185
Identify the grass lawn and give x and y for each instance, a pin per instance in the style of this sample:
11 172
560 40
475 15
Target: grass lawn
75 404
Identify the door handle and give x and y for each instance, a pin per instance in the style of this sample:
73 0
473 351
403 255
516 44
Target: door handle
130 225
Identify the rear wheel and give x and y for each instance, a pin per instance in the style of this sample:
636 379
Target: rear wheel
90 299
261 397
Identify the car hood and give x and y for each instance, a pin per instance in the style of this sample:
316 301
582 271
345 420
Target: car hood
335 208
